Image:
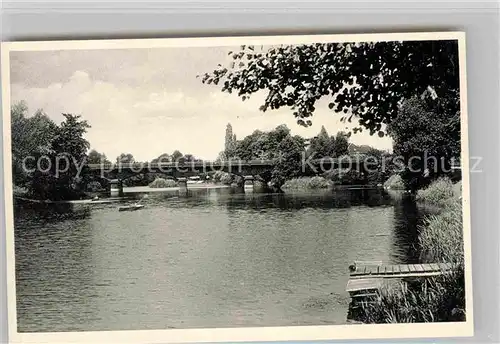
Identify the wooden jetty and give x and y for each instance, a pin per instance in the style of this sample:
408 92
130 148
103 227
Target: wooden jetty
367 278
399 270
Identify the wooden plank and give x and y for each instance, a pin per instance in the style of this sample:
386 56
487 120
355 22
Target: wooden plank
400 270
428 267
404 268
435 267
364 284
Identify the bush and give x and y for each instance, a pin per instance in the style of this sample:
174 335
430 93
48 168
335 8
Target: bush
226 179
345 177
163 183
438 193
19 191
223 178
304 183
94 186
395 182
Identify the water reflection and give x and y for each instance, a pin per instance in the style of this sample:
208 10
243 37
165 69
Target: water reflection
210 258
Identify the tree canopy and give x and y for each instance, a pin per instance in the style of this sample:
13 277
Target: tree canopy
427 136
367 81
45 155
94 157
125 158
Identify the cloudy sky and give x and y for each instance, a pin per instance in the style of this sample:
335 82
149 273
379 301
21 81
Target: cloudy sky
149 101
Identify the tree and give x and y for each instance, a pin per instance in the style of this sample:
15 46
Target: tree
31 137
262 145
341 144
57 176
189 158
230 142
322 146
221 157
125 158
367 81
163 158
289 163
94 157
176 155
427 136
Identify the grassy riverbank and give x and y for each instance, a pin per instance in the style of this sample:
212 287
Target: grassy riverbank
441 240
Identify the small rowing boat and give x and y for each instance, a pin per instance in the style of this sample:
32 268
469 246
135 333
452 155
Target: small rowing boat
131 207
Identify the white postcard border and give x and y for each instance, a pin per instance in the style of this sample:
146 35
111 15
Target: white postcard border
285 333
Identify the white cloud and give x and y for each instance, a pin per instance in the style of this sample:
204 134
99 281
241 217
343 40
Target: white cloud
149 120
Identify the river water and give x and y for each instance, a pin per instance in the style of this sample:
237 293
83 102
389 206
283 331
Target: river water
211 258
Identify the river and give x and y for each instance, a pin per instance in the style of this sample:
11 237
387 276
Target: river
211 258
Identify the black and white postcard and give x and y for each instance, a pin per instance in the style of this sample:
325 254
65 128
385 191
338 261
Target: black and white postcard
235 189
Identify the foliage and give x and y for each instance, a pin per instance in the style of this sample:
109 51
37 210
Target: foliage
322 146
230 142
364 80
57 177
289 163
94 157
395 182
163 158
189 158
176 156
226 179
438 193
94 186
54 153
345 177
125 158
341 144
31 138
427 136
307 183
379 166
163 183
223 178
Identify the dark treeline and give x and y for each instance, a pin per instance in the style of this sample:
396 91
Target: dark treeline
408 90
38 136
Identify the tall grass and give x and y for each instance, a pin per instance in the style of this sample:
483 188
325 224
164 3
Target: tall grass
438 193
438 299
441 236
434 299
307 183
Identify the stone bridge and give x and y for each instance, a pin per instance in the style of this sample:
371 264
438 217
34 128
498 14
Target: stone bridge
115 174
